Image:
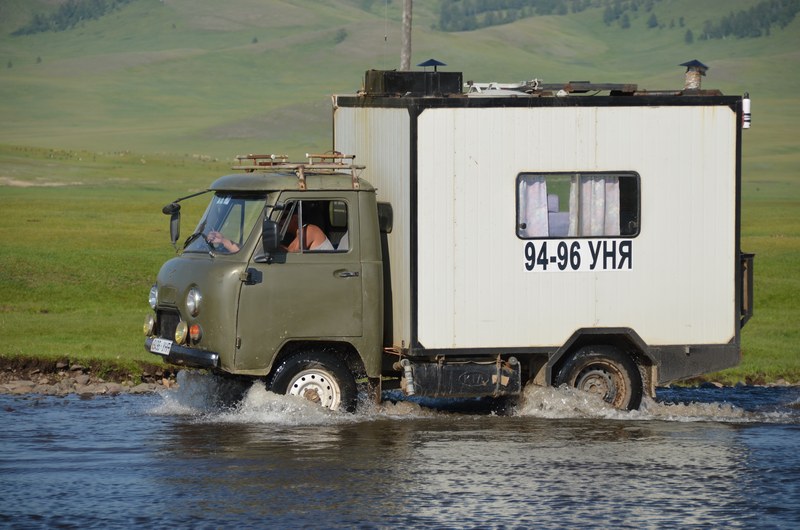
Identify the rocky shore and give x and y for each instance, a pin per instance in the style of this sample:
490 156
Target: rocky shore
63 378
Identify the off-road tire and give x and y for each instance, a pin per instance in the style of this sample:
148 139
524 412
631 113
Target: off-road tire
317 376
604 370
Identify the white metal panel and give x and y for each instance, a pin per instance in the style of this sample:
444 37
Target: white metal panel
381 140
474 290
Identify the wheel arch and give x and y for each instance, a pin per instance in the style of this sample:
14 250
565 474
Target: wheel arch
340 349
624 339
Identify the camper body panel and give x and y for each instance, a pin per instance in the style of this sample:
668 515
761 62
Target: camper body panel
675 286
387 166
459 265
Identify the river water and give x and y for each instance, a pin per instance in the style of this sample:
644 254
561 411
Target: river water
694 458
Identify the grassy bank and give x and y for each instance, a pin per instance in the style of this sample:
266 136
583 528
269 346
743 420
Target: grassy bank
85 238
118 107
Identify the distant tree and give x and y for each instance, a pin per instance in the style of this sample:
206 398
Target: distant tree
70 14
464 15
10 64
39 60
754 22
625 22
254 41
689 37
341 35
652 22
609 16
708 27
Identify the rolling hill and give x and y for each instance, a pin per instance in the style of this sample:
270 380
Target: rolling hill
198 76
85 105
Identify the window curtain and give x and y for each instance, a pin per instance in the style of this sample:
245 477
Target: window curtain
594 206
533 207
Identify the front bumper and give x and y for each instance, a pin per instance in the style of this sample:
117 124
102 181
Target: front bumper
183 356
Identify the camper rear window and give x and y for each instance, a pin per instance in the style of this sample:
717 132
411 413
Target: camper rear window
591 204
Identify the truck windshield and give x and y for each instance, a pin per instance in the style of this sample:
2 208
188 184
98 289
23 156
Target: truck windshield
228 221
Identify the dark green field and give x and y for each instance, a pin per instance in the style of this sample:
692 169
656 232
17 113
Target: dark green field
105 122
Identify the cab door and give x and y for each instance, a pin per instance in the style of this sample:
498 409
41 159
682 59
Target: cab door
311 294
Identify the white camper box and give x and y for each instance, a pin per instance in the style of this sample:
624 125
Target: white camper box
532 222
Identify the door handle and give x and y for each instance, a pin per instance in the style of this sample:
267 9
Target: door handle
347 274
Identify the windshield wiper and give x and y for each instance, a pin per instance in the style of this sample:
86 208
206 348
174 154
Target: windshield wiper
194 236
197 234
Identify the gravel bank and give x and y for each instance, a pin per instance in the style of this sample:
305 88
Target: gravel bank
63 378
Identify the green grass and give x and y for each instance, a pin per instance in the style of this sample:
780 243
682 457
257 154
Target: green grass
105 123
86 247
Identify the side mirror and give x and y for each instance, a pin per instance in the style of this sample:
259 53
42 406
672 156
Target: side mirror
270 236
270 240
385 217
173 209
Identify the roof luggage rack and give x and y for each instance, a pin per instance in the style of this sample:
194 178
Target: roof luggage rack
317 164
535 87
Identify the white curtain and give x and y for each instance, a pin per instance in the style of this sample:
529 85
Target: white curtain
533 207
598 214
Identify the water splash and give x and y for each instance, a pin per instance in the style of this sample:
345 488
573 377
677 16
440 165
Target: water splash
262 406
692 405
212 398
559 403
200 393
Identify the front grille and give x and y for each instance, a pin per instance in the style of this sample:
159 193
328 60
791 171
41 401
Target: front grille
167 322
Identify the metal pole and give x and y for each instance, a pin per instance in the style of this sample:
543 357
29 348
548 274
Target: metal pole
405 52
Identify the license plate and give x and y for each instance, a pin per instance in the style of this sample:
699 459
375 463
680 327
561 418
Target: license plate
161 346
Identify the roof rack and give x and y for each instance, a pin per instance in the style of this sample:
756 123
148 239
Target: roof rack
317 164
536 87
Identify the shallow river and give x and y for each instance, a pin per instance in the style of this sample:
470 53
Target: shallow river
695 458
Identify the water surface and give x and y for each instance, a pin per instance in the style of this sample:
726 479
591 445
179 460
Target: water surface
700 458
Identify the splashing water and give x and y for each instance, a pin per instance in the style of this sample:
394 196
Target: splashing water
211 398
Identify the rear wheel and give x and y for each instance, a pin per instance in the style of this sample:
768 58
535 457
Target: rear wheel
605 371
318 377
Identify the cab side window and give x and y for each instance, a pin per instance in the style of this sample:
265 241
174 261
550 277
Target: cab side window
309 226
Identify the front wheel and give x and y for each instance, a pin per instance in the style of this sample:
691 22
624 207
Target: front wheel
318 377
605 371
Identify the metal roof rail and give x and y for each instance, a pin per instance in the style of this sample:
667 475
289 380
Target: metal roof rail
318 164
252 162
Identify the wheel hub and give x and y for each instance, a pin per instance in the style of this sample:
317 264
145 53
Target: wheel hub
316 386
597 381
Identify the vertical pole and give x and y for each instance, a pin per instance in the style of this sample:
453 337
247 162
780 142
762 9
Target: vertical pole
405 52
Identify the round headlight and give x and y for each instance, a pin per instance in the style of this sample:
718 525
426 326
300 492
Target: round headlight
193 299
149 325
153 298
181 332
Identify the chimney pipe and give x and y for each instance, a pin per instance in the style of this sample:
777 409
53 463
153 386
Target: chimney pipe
695 70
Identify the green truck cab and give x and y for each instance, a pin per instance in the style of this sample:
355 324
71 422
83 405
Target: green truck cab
237 301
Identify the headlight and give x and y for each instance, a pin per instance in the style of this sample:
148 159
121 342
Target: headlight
181 332
193 299
149 325
153 298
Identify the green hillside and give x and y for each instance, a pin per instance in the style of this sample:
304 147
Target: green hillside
203 77
134 104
